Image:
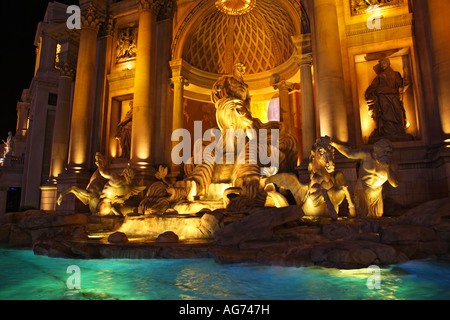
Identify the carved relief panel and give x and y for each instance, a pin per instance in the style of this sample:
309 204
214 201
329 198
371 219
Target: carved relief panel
126 45
360 6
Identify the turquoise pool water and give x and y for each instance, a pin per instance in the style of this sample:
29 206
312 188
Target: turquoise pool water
25 276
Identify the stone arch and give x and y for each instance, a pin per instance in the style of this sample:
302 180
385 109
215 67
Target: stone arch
287 18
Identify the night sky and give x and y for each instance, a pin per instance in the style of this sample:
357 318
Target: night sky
19 20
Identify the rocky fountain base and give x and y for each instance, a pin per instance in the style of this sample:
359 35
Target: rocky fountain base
276 236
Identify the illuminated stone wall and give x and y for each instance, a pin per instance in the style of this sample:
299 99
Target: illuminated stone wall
312 60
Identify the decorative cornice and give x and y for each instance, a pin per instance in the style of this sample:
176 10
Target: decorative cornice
385 24
62 34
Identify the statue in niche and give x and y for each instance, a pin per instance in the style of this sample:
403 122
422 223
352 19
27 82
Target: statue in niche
230 95
126 45
117 190
123 133
385 103
91 195
375 170
327 188
8 145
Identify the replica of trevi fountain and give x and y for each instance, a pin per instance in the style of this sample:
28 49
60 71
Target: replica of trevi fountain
242 199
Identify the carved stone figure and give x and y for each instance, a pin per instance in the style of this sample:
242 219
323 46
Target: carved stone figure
231 97
375 170
123 133
117 190
91 195
107 192
385 103
327 188
126 45
8 144
232 87
360 6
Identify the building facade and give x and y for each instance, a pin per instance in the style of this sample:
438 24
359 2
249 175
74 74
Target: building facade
136 70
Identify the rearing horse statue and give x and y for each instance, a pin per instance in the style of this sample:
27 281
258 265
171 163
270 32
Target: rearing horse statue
327 188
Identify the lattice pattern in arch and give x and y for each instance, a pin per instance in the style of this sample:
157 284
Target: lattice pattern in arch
252 46
282 27
206 48
261 39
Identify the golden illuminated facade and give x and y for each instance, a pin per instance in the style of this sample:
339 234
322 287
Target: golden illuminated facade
137 70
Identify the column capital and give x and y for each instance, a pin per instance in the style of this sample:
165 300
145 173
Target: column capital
147 5
283 85
304 59
176 67
180 80
166 9
107 28
91 17
67 70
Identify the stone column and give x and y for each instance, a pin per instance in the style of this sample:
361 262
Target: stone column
80 131
304 59
308 112
439 12
329 72
178 82
144 83
62 121
286 114
77 173
163 126
104 45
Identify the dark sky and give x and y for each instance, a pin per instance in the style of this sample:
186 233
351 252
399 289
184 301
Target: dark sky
19 20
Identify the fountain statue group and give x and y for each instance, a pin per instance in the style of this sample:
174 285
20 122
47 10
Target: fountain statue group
110 193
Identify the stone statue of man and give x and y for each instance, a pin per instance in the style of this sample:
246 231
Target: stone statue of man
375 170
385 103
123 133
8 144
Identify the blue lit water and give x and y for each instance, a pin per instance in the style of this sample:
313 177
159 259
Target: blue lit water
25 276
